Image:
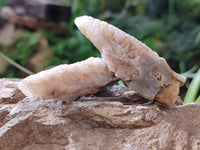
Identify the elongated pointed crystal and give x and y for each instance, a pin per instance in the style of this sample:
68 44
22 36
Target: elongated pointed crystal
132 61
68 82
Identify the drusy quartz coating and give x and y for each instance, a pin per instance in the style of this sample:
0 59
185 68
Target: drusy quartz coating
132 61
68 82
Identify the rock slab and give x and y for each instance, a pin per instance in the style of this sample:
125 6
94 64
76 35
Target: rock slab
100 123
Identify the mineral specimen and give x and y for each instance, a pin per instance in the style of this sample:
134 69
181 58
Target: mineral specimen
68 82
132 61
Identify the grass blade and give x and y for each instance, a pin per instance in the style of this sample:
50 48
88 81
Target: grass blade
193 89
198 99
16 64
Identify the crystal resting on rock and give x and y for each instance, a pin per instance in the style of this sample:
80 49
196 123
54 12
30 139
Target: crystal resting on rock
68 82
132 61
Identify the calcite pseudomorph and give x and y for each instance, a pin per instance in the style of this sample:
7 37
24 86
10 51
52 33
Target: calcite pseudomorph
68 82
132 61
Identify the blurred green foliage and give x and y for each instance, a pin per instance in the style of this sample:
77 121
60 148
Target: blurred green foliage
69 49
169 27
26 44
3 3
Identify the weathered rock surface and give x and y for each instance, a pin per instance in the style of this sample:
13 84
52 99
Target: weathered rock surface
9 92
118 120
132 61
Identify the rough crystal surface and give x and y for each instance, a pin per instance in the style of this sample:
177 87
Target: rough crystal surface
68 82
132 61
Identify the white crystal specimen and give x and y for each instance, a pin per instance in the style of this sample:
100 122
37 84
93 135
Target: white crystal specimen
132 61
68 82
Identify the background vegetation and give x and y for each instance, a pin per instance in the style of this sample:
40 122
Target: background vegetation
169 27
